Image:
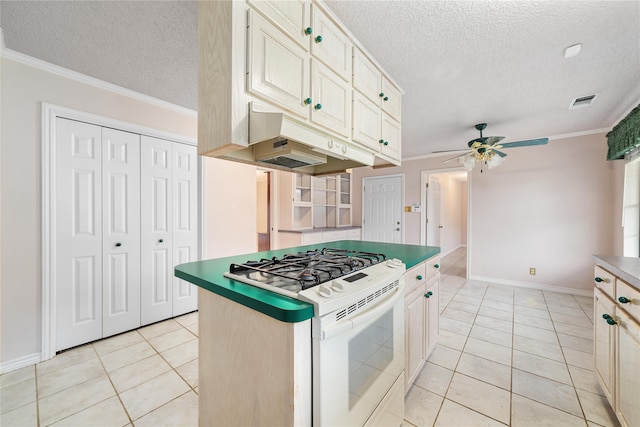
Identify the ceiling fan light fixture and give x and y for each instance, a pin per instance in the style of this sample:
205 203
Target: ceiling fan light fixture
572 50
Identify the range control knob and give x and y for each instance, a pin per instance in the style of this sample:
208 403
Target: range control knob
337 286
394 263
324 291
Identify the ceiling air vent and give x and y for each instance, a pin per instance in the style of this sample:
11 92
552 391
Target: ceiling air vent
583 101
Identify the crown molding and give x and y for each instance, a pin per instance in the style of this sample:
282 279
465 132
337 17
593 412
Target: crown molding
91 81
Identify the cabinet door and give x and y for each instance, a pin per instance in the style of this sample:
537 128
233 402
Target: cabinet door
366 76
366 121
331 106
391 134
432 297
185 224
120 231
291 17
156 268
414 334
330 44
78 245
627 374
604 341
391 101
277 67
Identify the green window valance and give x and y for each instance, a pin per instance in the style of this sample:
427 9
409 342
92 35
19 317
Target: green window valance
625 136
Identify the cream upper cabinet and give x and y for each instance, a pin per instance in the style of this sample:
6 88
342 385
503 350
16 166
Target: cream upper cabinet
390 134
391 99
278 68
374 128
366 77
330 44
331 106
291 17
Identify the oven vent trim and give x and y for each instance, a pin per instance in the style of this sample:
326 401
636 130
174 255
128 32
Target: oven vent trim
366 301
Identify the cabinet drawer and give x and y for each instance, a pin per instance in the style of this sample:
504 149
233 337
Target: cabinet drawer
330 236
311 238
605 281
415 277
631 296
432 266
353 234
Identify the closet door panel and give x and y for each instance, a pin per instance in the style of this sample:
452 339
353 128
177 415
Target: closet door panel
121 231
185 230
156 221
78 245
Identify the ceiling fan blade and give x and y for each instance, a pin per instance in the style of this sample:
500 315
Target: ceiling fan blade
539 141
456 157
492 140
499 153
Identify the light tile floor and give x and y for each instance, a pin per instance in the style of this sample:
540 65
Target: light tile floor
146 377
506 356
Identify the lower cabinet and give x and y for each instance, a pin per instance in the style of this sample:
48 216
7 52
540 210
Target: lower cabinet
422 316
617 344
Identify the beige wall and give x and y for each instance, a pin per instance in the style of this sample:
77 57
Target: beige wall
550 207
23 89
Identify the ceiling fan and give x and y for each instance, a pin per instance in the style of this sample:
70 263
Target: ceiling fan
486 149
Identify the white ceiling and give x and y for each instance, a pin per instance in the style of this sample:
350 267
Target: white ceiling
459 62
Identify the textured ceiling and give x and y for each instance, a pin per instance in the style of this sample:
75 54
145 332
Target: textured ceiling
459 62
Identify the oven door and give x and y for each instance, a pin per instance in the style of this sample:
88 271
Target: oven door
357 360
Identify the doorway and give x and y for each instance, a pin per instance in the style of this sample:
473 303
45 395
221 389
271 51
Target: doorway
263 209
445 217
382 199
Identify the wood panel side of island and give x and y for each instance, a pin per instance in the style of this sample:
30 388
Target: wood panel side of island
254 370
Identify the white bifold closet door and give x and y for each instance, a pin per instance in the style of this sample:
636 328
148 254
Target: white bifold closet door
125 214
97 213
169 231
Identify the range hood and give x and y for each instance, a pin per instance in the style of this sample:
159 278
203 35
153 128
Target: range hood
279 139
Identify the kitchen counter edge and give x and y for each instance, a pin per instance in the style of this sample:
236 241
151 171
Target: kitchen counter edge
626 268
208 275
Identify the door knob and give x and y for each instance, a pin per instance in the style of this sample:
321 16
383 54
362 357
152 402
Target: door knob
398 229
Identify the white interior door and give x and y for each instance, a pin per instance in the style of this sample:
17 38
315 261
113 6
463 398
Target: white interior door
382 209
156 259
78 246
185 224
120 231
433 211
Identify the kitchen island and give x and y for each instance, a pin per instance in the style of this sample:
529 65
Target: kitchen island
255 356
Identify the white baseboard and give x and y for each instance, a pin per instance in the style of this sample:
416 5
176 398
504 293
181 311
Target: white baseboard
20 362
538 286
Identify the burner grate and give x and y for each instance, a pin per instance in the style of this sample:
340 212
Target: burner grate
304 270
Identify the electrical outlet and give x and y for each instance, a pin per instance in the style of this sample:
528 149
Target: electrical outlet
532 271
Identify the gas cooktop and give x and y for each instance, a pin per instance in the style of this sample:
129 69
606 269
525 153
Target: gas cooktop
303 270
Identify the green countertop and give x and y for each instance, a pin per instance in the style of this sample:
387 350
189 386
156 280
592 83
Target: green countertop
208 275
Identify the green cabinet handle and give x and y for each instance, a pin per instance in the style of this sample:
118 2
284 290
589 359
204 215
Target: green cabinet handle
386 143
308 101
381 141
381 94
318 106
611 322
428 294
161 240
606 316
118 244
419 277
436 265
599 279
318 39
624 300
308 31
386 98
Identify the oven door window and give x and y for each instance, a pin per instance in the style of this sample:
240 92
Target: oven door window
370 355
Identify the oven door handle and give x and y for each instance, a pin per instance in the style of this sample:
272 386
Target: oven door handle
364 318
